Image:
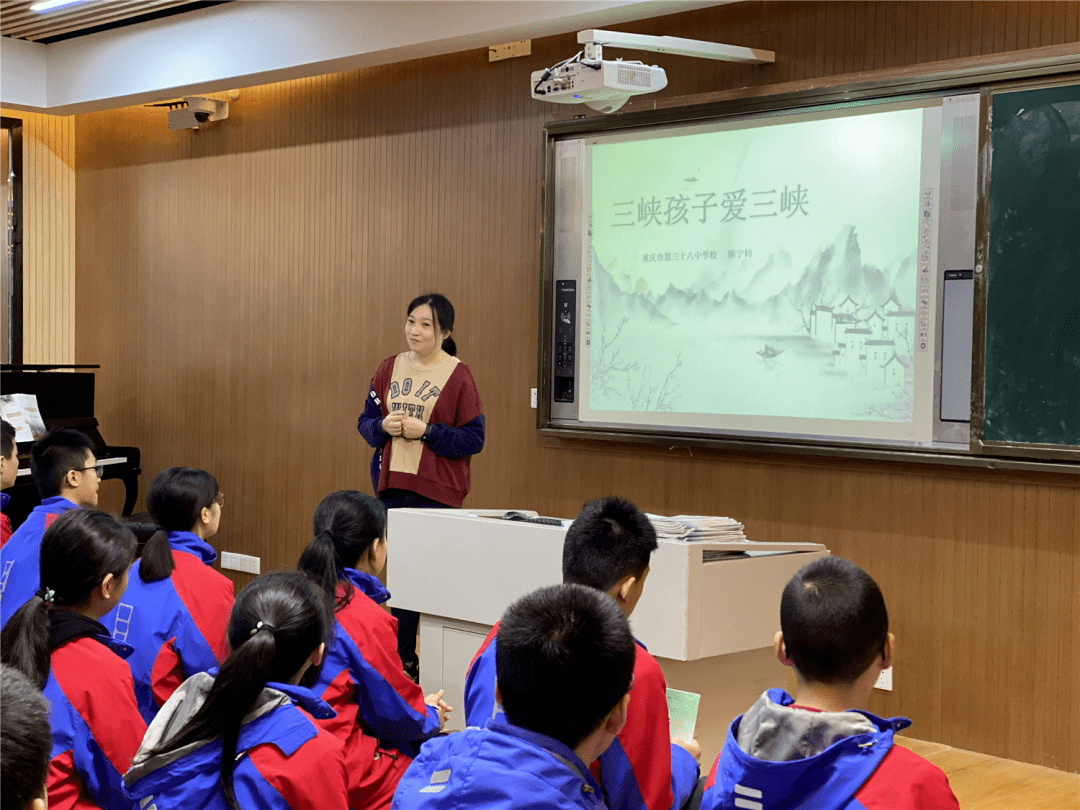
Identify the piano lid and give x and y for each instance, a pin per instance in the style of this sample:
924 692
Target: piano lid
65 398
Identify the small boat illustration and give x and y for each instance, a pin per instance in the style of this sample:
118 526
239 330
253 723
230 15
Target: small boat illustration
769 352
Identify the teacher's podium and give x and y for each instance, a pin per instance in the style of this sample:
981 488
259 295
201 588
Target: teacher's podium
708 612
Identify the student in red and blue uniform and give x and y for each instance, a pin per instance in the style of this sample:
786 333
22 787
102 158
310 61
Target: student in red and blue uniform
56 640
9 471
246 732
176 607
565 668
65 472
361 677
820 749
608 547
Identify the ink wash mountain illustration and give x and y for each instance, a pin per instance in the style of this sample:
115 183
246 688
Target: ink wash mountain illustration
829 340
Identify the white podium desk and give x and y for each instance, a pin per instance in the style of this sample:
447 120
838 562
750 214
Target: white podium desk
460 571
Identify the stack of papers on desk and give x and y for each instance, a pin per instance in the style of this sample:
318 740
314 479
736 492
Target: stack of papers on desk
697 527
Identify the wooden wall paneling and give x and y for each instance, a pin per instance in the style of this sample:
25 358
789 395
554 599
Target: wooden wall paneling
322 206
48 237
1012 11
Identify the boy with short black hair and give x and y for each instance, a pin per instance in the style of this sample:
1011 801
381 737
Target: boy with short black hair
9 470
25 741
66 474
608 548
565 665
820 749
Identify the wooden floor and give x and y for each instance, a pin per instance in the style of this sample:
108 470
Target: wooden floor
981 782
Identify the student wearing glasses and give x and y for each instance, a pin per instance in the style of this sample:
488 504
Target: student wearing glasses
176 608
65 471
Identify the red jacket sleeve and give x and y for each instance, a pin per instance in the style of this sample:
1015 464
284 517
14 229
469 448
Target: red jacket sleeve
904 779
636 770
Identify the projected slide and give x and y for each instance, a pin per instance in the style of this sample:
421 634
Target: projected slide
770 270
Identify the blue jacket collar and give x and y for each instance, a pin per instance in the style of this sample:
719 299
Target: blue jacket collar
4 498
192 544
884 724
306 699
367 584
56 504
549 744
300 695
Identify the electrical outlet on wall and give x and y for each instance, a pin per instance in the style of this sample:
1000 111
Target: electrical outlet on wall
241 562
884 680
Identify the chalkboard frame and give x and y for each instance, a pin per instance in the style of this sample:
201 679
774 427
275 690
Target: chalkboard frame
980 445
936 79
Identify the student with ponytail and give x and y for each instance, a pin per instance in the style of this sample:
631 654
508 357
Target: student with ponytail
244 738
55 639
362 676
176 607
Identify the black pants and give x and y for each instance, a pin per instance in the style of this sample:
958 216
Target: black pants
408 620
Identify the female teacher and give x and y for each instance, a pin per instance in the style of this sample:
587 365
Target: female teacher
424 417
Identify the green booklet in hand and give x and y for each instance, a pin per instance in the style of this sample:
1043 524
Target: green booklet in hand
682 713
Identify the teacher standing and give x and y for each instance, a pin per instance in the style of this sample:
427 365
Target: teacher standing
424 417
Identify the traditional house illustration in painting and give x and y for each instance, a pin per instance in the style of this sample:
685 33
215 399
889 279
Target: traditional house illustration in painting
878 352
821 322
856 340
875 322
894 374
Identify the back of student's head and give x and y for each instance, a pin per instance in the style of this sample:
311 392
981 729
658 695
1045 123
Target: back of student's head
78 551
25 740
834 621
7 439
564 658
277 622
609 539
54 455
345 526
175 500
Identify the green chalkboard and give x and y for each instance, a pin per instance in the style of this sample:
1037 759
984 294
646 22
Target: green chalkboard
1031 384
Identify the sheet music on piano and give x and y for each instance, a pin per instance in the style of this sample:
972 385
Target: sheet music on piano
21 412
64 397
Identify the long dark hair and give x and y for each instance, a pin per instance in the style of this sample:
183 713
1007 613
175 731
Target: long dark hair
175 501
346 524
443 311
78 551
276 624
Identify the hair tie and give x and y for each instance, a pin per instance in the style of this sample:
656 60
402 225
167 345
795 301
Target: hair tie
260 626
47 594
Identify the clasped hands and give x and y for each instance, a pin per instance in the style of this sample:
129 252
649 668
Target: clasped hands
408 427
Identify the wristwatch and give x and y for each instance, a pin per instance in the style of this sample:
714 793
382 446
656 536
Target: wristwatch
427 434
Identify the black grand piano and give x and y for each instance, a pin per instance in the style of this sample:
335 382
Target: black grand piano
65 396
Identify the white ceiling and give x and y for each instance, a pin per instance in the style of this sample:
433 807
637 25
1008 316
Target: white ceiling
251 42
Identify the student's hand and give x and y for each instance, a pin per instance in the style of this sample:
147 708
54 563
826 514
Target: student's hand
412 428
439 704
692 747
392 423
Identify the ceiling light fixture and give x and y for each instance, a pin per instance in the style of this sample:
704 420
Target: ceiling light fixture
49 5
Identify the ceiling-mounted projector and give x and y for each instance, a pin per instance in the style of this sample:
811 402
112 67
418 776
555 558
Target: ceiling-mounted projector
604 86
587 78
